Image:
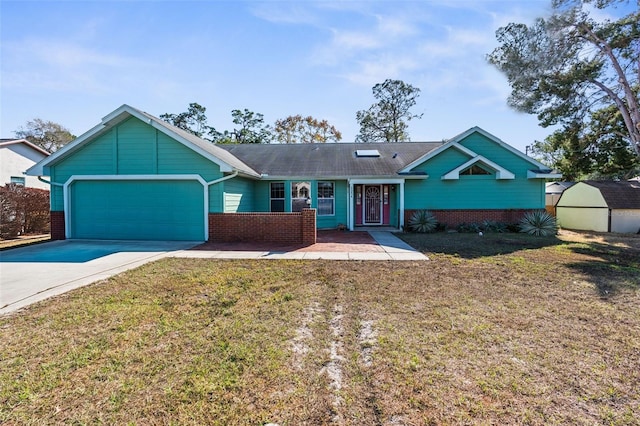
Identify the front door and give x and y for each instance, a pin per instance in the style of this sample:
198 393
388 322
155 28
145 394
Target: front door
372 206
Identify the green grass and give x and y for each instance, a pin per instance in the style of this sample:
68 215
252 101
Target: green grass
527 336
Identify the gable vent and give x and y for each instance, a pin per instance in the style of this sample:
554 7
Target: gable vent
367 153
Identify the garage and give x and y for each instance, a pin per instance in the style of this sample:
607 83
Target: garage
136 209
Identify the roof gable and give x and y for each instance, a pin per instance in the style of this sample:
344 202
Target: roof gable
501 172
6 143
538 171
226 162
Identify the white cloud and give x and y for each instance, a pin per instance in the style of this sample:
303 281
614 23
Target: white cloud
36 64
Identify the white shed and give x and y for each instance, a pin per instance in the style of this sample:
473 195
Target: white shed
601 206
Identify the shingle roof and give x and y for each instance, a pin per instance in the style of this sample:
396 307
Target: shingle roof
8 142
618 195
330 159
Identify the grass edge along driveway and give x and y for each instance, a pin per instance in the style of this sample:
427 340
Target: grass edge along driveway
520 331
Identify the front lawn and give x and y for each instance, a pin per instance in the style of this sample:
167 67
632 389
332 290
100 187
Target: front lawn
499 329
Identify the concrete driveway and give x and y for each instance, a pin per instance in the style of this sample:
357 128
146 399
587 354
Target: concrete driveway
37 272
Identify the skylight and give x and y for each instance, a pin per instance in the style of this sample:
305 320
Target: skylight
367 153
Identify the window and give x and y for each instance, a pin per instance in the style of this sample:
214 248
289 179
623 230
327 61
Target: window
277 196
18 180
300 193
473 171
325 199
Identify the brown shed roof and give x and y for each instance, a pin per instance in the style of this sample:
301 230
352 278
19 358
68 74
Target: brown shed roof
618 195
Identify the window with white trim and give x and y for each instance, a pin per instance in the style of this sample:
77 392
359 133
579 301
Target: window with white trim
474 170
277 196
326 199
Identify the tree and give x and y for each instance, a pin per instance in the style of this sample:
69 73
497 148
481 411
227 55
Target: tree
593 152
45 134
296 128
193 120
576 72
386 120
252 128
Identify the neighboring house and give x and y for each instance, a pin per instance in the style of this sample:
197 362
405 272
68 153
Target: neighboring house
553 191
135 176
602 206
16 156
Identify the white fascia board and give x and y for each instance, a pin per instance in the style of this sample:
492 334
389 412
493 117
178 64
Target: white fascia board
437 151
374 179
501 172
534 175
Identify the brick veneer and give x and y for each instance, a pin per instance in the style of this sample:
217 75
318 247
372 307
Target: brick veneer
279 228
453 218
57 226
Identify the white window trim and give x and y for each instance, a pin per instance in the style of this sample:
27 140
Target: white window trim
284 193
333 198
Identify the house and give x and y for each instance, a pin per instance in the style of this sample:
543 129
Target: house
16 156
601 206
553 191
134 176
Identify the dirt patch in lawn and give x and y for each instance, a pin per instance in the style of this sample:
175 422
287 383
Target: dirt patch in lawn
522 337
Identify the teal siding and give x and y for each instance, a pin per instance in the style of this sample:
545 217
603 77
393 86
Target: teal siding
341 196
134 147
238 195
261 196
475 192
137 210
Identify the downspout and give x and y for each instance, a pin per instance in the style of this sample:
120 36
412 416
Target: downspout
231 176
50 183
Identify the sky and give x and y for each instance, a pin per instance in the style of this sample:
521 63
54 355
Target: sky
73 62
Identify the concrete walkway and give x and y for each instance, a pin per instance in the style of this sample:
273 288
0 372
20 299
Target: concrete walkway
392 248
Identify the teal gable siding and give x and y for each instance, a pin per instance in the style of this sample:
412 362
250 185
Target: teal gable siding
130 148
136 146
238 195
475 192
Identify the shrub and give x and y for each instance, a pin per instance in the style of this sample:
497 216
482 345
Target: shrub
473 227
494 226
423 221
23 211
539 223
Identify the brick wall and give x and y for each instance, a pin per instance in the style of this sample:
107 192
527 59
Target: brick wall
453 218
278 228
57 226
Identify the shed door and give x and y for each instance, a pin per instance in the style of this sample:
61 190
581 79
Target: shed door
137 210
